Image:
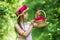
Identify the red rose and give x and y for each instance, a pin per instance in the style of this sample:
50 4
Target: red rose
40 18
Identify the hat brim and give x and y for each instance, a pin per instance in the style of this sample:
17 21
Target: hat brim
22 13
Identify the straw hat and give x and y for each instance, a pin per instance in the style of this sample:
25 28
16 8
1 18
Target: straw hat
21 10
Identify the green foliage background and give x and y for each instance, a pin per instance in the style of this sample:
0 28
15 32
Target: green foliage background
8 18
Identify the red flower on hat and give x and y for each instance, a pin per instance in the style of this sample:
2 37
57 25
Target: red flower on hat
40 18
20 10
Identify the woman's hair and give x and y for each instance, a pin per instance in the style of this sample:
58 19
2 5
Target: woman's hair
21 18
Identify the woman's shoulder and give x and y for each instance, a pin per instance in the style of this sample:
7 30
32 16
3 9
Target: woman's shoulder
16 25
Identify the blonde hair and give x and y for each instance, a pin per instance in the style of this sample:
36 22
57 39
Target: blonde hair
21 18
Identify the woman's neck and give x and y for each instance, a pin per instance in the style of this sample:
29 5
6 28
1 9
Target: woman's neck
25 20
21 22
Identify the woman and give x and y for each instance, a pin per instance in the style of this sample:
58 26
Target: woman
23 27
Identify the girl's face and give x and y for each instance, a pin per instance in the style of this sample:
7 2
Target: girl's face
38 12
25 15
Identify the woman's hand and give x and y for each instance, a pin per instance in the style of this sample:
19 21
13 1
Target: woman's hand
33 24
19 37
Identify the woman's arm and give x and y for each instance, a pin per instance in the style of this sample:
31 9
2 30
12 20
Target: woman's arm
34 24
21 32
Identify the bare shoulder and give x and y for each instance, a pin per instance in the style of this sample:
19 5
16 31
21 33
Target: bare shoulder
16 25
